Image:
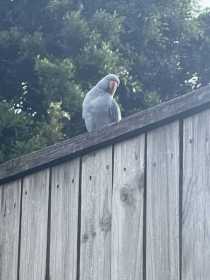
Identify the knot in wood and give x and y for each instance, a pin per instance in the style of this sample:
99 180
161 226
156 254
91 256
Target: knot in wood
84 238
123 195
93 234
126 195
106 223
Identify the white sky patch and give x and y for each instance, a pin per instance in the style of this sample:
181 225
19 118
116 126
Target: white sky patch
204 3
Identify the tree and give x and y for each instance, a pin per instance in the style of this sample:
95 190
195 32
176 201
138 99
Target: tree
53 51
197 51
50 55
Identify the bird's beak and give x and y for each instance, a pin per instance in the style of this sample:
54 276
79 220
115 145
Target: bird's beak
113 85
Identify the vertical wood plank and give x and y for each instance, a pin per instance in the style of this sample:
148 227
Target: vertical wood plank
96 215
127 207
196 198
34 226
163 203
10 195
64 221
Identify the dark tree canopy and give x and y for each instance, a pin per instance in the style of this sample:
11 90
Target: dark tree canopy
53 51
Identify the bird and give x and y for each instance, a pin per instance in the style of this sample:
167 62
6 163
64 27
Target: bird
99 107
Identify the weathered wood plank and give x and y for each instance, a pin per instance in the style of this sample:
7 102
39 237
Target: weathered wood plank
64 221
34 226
133 125
127 207
96 193
9 229
162 254
196 198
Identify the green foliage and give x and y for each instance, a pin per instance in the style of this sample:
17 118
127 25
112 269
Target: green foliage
53 51
20 133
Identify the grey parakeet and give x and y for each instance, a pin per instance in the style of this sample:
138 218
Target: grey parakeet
99 107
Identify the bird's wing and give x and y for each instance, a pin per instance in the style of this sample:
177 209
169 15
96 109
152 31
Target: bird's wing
114 111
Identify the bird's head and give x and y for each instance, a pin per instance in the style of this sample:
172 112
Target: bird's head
109 83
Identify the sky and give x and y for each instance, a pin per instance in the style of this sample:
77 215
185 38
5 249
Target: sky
205 3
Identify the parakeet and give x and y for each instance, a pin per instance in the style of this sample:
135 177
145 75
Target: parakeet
99 107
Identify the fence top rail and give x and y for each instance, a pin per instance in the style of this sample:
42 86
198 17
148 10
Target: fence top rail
135 124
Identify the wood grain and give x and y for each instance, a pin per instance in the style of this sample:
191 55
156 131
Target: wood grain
64 221
162 254
127 207
196 198
95 253
34 226
85 143
9 229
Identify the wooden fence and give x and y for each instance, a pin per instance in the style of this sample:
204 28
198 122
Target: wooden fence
129 202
